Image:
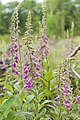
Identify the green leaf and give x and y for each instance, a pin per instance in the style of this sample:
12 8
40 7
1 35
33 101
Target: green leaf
8 87
42 118
2 99
30 98
20 63
17 86
1 79
52 115
44 82
78 105
9 93
7 105
44 103
53 83
41 96
74 116
49 75
22 115
47 92
41 114
11 115
50 106
22 95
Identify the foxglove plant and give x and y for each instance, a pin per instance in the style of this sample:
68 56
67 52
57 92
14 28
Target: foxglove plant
32 63
15 50
28 66
41 52
69 63
64 87
67 92
36 79
64 91
78 98
43 48
34 57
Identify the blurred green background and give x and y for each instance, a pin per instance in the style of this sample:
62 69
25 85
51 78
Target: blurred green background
59 17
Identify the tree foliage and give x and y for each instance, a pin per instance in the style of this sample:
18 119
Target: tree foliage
60 15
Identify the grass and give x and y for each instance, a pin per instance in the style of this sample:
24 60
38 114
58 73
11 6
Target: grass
57 48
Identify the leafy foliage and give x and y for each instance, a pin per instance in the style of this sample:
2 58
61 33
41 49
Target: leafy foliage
31 89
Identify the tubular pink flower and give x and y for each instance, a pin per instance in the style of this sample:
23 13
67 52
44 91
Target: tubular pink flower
65 85
57 98
78 98
67 105
67 101
16 57
16 72
37 74
16 61
65 94
28 85
26 76
14 65
15 45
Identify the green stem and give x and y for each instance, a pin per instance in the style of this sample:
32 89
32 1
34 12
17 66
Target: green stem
12 51
36 89
59 86
59 114
19 52
36 103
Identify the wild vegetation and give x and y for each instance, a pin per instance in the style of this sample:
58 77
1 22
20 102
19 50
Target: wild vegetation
60 14
33 84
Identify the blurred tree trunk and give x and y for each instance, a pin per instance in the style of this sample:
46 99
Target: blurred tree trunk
52 4
51 7
62 19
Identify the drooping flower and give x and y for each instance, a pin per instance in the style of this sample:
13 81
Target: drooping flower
14 65
37 74
28 85
16 56
67 101
78 98
15 45
67 105
14 51
42 47
16 61
25 76
37 66
57 98
26 70
67 92
66 86
16 72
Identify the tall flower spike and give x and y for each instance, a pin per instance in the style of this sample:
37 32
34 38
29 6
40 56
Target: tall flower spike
44 28
43 34
44 16
28 68
12 28
29 30
17 34
17 19
15 50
